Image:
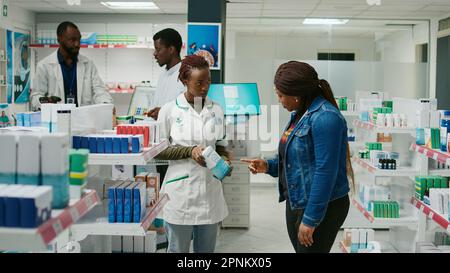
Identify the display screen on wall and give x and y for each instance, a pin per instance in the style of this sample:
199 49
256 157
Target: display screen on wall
236 98
22 59
9 65
204 39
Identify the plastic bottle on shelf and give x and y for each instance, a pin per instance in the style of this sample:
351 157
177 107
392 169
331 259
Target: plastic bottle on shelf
445 129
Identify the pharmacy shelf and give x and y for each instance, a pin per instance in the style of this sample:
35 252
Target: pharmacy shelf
96 222
440 172
387 130
386 247
402 221
432 153
129 159
350 113
362 144
399 172
439 219
22 239
96 46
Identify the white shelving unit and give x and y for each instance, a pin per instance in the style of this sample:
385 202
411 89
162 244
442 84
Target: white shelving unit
386 130
96 223
372 170
409 221
129 159
38 239
426 213
439 219
102 46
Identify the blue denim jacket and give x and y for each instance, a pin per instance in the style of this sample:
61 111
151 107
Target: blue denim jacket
315 165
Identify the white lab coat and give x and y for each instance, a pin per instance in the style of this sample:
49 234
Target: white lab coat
48 78
198 198
169 86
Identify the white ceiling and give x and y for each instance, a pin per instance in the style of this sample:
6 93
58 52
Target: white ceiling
269 8
282 16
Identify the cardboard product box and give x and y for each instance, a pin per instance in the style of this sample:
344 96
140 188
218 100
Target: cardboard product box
112 202
116 244
141 177
116 145
362 239
139 201
137 144
152 188
11 200
128 204
55 154
35 206
108 183
2 205
8 159
127 244
108 145
355 241
125 143
28 160
84 143
138 244
76 142
120 197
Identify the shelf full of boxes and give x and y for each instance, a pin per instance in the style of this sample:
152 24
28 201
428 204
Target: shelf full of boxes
38 200
118 216
418 113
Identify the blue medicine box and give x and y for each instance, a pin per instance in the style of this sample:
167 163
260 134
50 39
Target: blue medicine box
112 202
92 145
128 204
108 145
120 194
84 142
124 145
116 145
100 145
76 142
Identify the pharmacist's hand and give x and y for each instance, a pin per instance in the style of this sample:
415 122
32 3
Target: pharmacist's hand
154 113
197 155
305 235
256 165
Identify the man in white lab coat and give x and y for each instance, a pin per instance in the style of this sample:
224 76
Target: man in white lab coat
67 74
168 45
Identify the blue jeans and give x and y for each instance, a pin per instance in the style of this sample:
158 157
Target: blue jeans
179 237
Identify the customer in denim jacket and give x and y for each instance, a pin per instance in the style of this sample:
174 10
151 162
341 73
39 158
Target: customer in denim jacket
313 162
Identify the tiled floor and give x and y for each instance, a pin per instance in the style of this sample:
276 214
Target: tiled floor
267 232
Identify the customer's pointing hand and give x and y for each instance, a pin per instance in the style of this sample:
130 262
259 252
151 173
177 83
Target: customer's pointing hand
256 165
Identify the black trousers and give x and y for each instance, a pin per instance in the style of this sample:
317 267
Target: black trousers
325 234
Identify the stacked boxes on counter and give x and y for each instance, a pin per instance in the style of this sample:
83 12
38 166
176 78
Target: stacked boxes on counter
49 115
425 183
36 159
78 172
358 239
24 206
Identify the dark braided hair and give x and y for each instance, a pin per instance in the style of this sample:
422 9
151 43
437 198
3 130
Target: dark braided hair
300 80
188 64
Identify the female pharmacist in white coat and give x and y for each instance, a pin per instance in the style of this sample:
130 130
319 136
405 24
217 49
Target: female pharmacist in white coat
192 122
